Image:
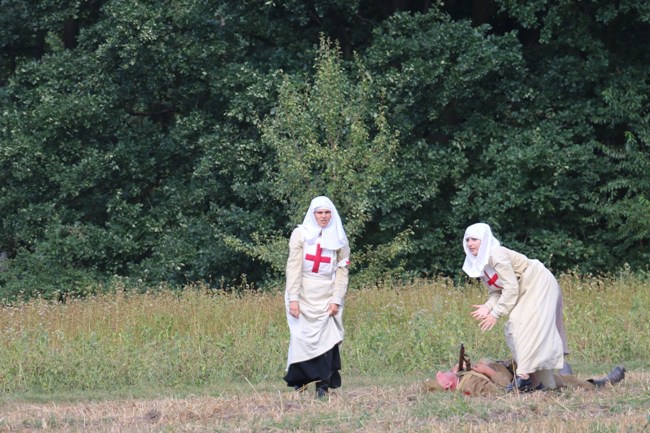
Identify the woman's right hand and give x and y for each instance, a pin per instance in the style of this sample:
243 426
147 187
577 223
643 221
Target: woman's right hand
480 312
294 309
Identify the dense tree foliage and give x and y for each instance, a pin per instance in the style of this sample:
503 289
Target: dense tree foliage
180 141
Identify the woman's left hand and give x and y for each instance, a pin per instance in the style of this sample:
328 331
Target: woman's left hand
480 312
488 323
333 309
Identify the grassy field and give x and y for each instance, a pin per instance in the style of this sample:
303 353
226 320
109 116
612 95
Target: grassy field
210 362
360 406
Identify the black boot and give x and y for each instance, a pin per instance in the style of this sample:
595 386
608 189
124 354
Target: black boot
520 385
322 390
616 375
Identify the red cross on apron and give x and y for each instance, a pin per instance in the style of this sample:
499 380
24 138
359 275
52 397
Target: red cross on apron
492 281
318 258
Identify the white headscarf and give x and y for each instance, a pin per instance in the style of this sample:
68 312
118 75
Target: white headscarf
333 236
474 265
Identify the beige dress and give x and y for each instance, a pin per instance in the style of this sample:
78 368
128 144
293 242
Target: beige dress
529 294
316 277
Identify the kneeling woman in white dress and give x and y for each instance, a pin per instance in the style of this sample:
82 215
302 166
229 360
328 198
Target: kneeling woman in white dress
317 280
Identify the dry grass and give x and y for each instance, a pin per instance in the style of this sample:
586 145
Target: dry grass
67 367
363 408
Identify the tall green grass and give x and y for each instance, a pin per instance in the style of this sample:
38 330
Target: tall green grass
197 338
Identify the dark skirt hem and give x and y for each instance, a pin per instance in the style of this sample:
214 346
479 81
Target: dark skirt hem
323 369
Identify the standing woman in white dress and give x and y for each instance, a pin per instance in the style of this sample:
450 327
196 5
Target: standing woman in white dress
527 292
317 280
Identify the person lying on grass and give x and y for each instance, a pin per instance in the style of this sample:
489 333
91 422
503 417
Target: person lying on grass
495 377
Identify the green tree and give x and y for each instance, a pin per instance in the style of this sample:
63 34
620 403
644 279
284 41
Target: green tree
331 138
449 85
522 112
180 141
590 78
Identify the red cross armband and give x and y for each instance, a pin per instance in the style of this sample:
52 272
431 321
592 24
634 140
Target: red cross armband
343 263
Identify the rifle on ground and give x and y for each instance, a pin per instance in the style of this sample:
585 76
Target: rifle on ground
464 363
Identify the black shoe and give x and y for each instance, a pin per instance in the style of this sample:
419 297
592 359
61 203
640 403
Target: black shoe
322 387
616 375
321 392
521 385
300 388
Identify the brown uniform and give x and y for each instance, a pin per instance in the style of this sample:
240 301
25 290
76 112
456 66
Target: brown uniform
475 384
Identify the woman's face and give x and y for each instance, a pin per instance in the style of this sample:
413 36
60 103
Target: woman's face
323 216
473 245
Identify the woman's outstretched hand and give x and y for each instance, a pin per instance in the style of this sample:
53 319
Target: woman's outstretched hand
488 323
480 312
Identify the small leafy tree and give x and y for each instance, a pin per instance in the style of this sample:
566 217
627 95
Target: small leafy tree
331 138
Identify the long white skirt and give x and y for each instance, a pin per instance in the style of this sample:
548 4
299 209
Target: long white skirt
531 330
314 332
